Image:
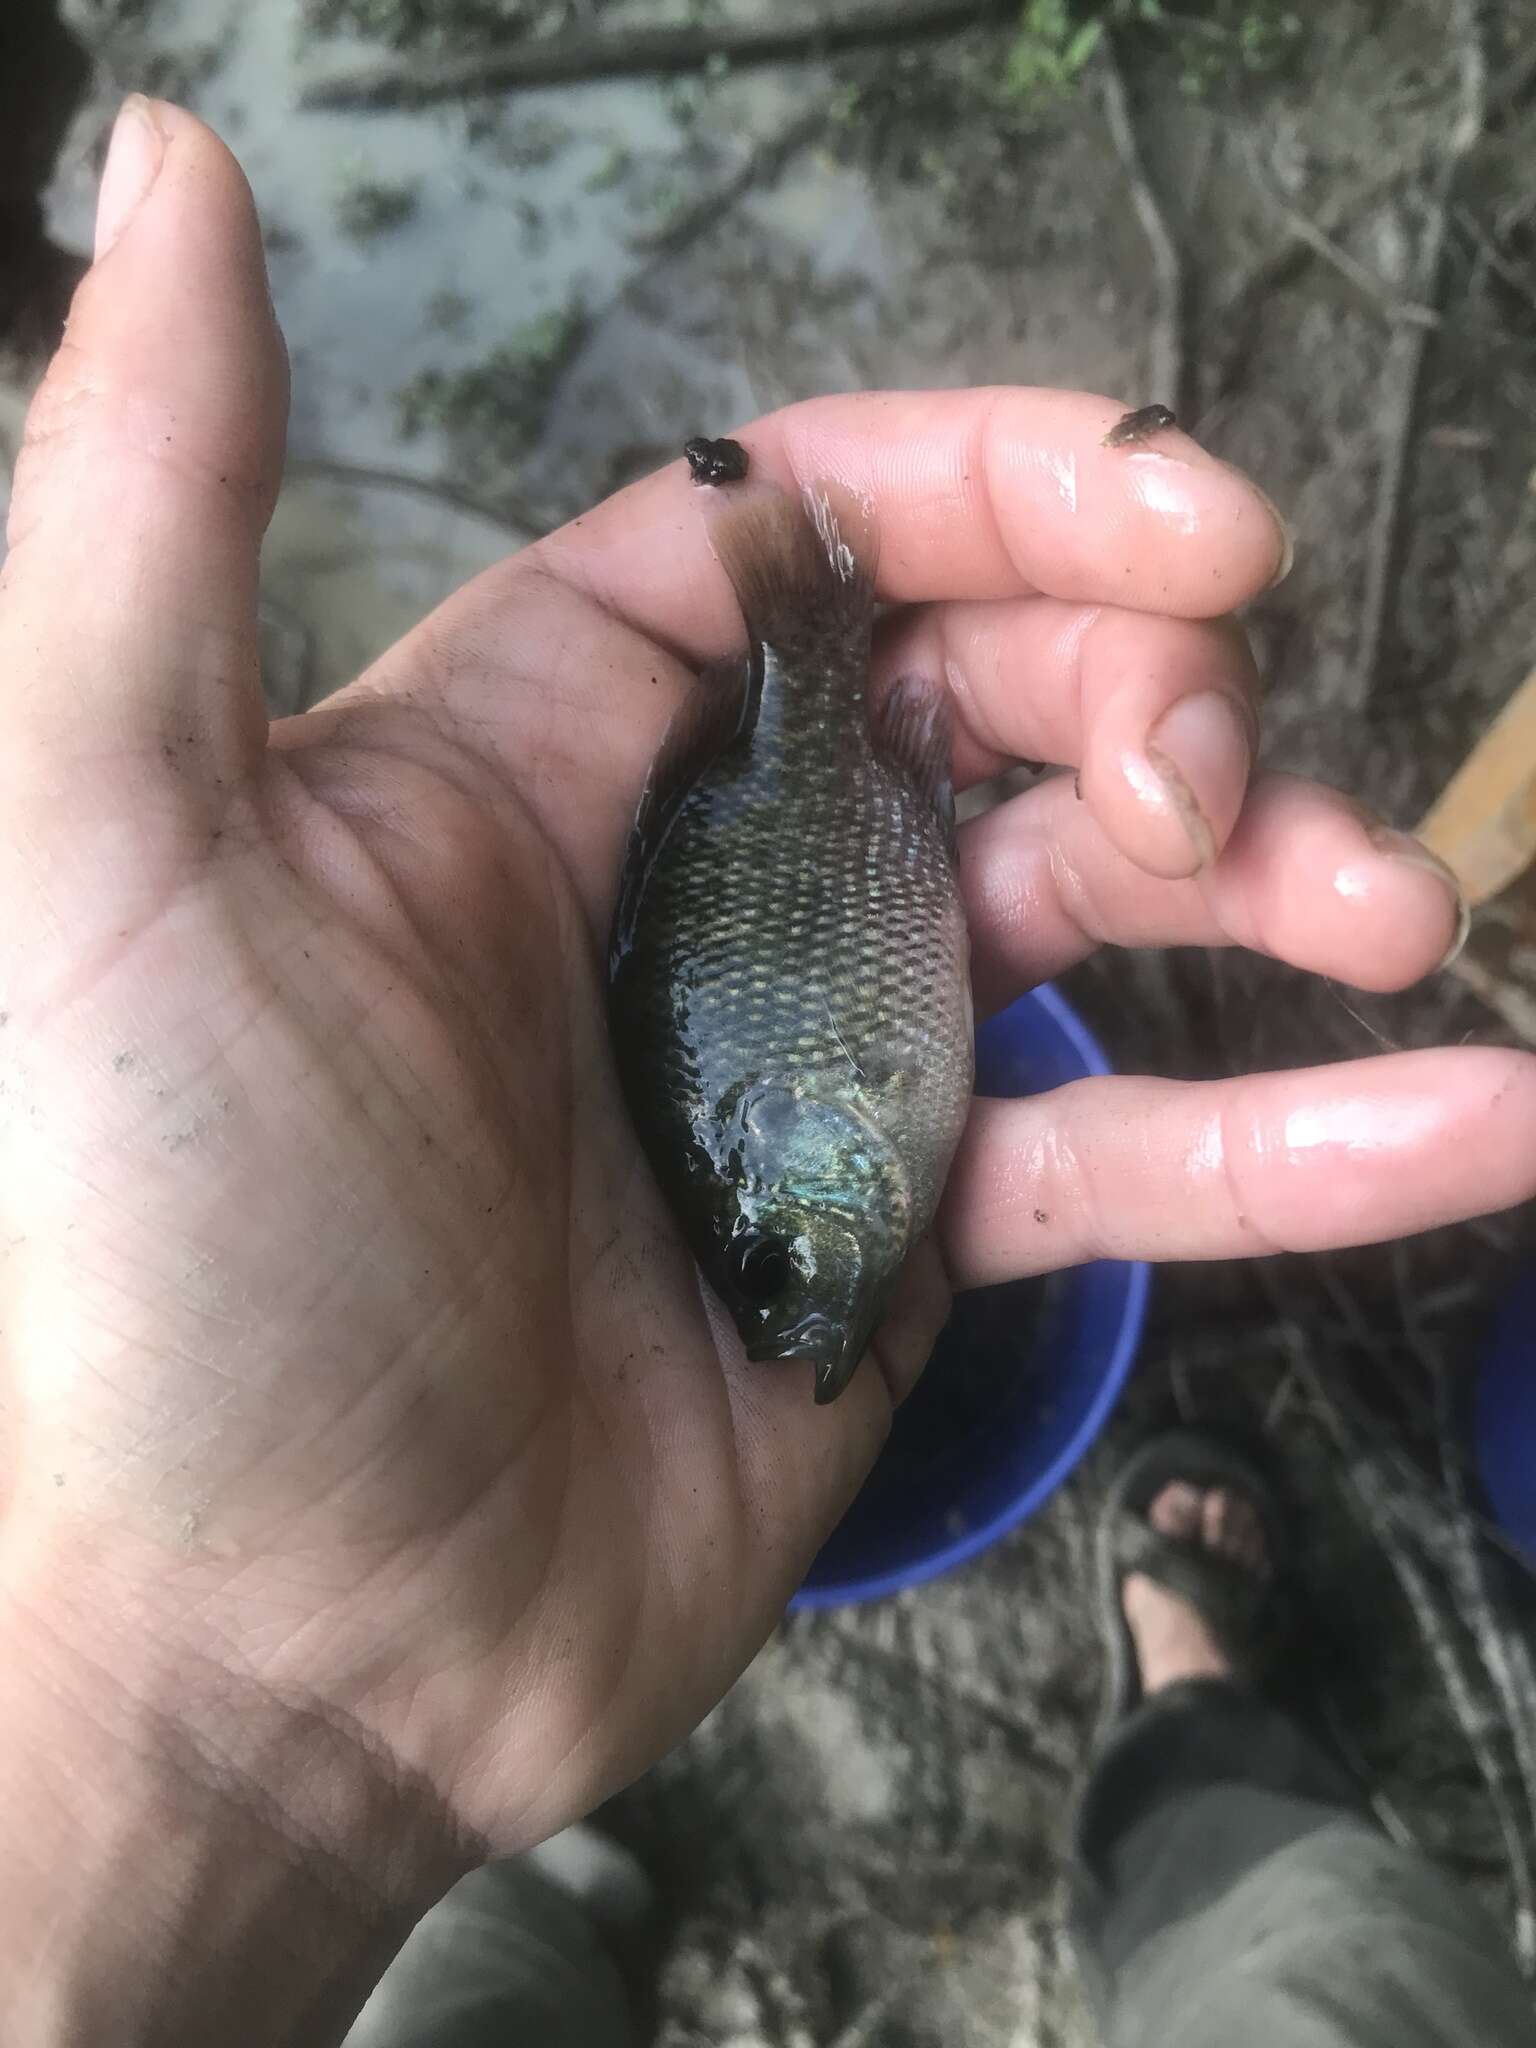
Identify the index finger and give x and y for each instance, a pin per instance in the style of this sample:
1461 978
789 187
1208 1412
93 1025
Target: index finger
989 493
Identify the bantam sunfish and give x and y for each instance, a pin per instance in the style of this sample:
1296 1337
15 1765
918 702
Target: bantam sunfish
789 997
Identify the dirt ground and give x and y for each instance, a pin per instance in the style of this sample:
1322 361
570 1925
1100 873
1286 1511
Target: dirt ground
1311 230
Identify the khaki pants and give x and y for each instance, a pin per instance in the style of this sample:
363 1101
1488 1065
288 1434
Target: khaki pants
1231 1893
509 1959
1231 1889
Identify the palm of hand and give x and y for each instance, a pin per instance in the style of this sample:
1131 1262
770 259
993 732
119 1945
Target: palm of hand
348 1349
341 1081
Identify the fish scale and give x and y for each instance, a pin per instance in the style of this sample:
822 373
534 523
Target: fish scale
790 1006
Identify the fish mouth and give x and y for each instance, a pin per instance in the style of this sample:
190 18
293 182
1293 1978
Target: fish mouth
815 1337
833 1349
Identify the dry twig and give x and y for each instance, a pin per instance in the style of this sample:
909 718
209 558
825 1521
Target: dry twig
1313 235
765 163
1402 377
1390 1817
1280 264
1478 1728
522 522
1486 1618
1400 1527
611 53
1011 1720
1514 275
1319 234
1168 354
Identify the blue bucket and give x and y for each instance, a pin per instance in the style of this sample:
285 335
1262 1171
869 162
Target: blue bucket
1504 1416
1019 1385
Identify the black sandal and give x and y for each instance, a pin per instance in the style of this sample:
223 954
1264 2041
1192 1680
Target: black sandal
1246 1614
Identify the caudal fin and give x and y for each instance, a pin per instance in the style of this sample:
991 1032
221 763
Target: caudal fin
803 567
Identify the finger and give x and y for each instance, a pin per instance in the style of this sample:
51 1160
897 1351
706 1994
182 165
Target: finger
1127 1168
1306 877
1158 714
977 494
800 1465
917 1314
151 459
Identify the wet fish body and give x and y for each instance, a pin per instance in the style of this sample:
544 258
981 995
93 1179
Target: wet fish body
789 990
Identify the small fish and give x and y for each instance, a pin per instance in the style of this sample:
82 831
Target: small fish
789 998
1140 425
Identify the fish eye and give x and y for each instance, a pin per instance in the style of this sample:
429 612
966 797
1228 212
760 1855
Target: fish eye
761 1263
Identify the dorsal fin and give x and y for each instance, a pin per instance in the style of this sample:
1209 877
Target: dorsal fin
801 566
717 710
910 726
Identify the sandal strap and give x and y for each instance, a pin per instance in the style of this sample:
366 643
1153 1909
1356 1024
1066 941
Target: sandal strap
1233 1601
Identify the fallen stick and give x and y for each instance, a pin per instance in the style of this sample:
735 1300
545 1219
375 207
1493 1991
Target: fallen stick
522 523
1402 378
1493 1627
1316 237
1436 1623
1168 354
765 164
1483 823
565 59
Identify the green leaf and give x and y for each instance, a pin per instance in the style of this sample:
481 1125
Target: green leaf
1081 47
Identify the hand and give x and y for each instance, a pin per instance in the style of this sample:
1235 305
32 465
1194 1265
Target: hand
359 1392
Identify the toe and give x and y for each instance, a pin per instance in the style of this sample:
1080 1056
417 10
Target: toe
1173 1637
1176 1511
1242 1539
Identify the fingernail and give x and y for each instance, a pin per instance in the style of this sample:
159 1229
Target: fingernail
133 162
1202 741
1287 542
1283 526
1413 853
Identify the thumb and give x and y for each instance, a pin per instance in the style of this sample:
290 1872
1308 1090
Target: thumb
151 459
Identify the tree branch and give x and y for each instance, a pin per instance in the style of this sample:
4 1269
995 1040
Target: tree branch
565 59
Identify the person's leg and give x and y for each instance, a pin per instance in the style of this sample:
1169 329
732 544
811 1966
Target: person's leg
1339 1939
1200 1784
523 1953
1230 1885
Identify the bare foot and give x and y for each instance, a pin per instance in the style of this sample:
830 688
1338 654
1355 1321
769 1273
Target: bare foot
1172 1640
